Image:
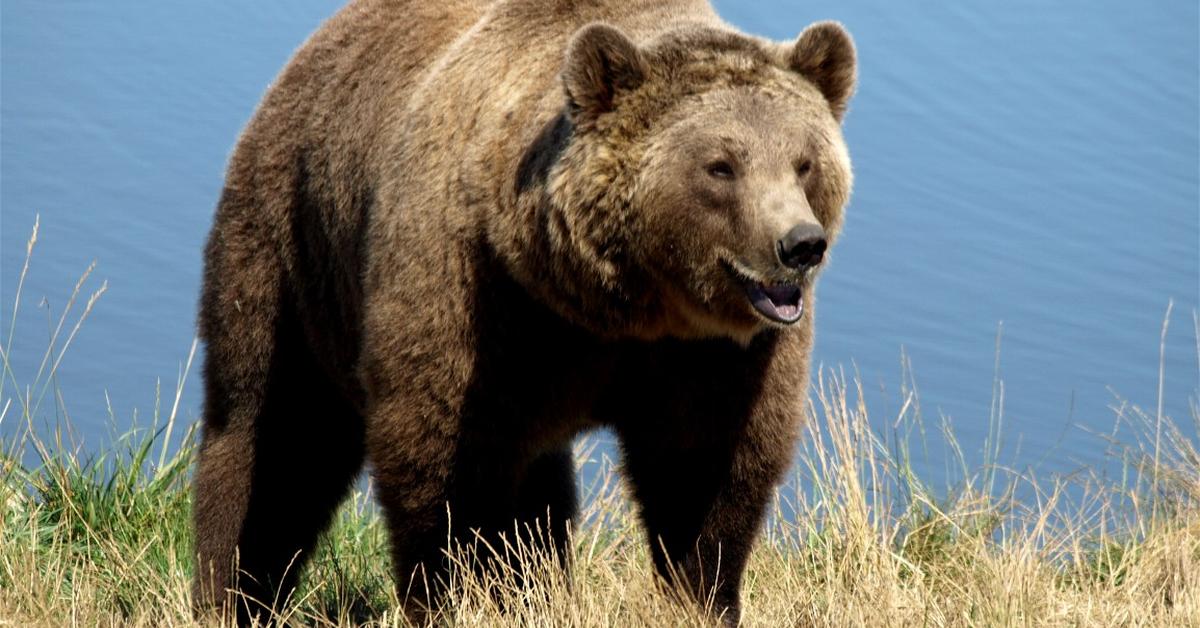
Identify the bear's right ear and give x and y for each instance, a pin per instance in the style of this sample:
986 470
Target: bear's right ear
601 62
825 56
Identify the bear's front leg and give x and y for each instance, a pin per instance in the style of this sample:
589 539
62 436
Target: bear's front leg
706 440
414 370
463 447
702 508
411 451
448 483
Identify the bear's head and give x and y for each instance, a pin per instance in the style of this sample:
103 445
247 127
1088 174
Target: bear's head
702 177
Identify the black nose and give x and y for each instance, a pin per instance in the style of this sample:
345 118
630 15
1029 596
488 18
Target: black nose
803 246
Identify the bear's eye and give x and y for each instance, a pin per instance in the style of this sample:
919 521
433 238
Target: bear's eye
720 170
803 167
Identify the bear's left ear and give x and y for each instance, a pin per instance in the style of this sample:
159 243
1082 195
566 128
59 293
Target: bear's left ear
601 62
825 56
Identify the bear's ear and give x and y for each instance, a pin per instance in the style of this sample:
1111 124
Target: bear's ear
825 56
601 62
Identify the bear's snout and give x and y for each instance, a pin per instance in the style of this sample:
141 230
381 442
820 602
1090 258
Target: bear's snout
802 246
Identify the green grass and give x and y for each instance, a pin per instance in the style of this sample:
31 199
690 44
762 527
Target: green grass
105 540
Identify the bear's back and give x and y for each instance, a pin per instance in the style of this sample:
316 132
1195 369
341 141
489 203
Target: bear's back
345 103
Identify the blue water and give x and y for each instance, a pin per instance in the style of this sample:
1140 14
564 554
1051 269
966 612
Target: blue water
1021 163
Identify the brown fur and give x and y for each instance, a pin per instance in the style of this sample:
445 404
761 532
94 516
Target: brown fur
457 234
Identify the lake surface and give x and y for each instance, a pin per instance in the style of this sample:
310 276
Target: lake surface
1022 163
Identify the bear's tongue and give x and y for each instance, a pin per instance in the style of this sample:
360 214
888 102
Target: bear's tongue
780 303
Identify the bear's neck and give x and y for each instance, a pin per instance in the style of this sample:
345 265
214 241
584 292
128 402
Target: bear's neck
566 246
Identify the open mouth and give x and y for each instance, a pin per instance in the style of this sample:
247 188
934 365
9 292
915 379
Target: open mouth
782 303
777 301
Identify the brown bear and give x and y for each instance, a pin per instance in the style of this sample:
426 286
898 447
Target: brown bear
455 235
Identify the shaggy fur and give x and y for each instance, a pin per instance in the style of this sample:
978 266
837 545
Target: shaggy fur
457 234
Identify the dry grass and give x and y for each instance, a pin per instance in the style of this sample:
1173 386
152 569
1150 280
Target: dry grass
863 541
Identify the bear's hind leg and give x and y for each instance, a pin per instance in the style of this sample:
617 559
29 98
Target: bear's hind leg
271 474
